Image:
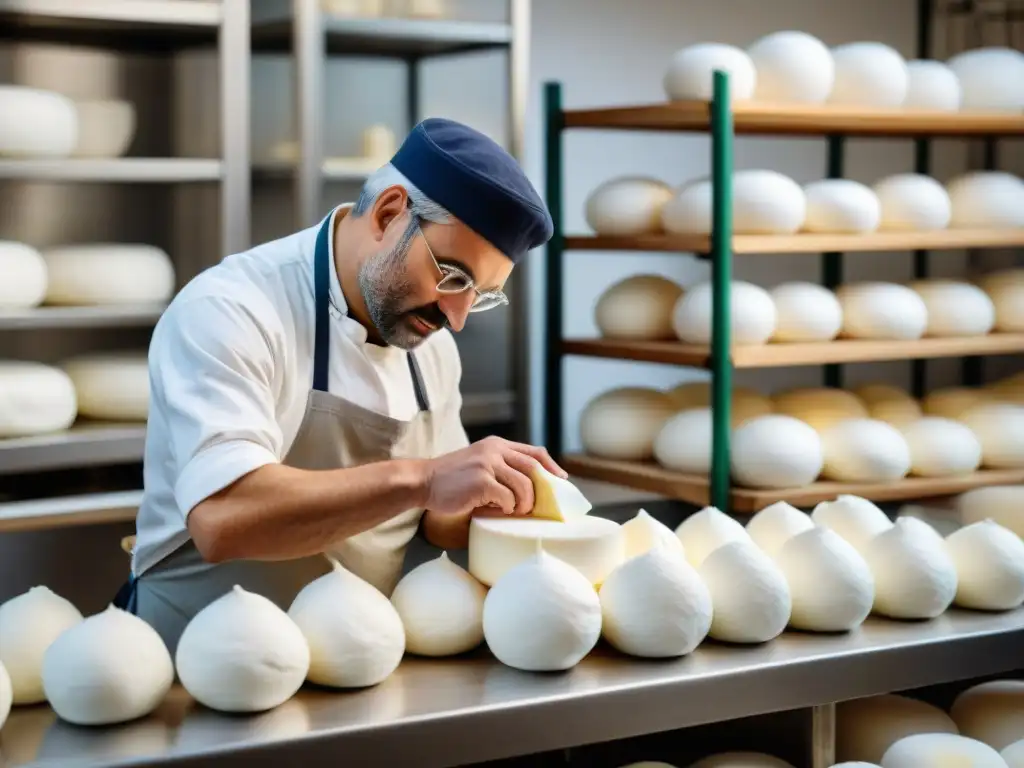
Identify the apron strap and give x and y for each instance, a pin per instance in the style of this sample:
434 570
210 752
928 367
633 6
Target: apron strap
418 385
322 299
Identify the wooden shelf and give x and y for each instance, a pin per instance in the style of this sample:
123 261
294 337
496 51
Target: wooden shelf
86 444
695 490
796 119
87 509
791 355
140 170
943 239
107 316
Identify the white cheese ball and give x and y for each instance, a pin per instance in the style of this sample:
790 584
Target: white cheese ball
1002 504
441 607
39 123
867 727
955 307
841 206
1006 289
1014 755
705 531
819 407
24 271
750 599
864 451
745 403
113 386
986 200
741 760
623 423
991 79
29 623
857 520
939 750
627 205
110 668
751 313
690 72
241 653
868 74
952 402
830 583
643 533
890 404
919 526
776 524
805 312
991 712
638 307
543 615
655 606
35 399
684 442
989 562
792 68
108 273
941 448
882 311
912 202
775 452
999 428
763 203
932 85
914 577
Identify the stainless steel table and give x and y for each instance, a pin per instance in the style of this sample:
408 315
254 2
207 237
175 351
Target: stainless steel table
471 709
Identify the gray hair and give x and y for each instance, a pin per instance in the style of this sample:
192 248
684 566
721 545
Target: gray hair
386 176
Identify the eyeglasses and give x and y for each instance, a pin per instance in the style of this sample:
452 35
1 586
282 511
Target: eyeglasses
455 280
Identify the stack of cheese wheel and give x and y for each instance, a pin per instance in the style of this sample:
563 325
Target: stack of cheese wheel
24 283
627 206
622 423
990 78
775 451
35 399
751 311
41 123
841 206
1006 289
108 274
867 728
989 562
764 203
638 308
992 712
691 69
792 67
112 386
1003 504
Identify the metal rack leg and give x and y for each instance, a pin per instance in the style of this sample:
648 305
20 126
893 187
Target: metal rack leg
553 288
823 736
832 263
235 55
309 51
973 368
919 369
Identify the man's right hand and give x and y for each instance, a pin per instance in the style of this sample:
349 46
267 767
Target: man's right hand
491 473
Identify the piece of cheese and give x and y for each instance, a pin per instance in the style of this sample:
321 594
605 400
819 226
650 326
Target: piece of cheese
111 386
556 498
108 273
639 307
627 205
34 399
36 123
24 282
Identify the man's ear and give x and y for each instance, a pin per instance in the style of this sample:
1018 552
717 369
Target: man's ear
390 205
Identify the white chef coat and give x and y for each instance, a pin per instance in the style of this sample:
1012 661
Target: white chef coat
230 370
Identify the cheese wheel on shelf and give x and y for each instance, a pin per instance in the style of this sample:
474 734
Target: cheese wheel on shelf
745 404
991 712
999 428
855 519
1014 755
638 307
627 206
819 407
622 423
108 273
890 404
952 402
24 271
741 760
763 203
868 74
690 72
775 451
991 78
941 448
792 68
1006 289
955 307
684 442
841 206
986 200
39 123
932 85
1003 504
776 524
111 386
805 312
939 750
35 399
883 311
705 531
989 563
912 202
752 315
867 727
864 451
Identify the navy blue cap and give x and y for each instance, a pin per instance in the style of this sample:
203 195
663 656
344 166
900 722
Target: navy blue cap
476 181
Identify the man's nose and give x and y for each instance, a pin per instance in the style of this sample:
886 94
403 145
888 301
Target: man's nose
456 308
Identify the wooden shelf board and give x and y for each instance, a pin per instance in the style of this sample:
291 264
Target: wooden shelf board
81 317
797 119
791 355
695 490
86 444
60 512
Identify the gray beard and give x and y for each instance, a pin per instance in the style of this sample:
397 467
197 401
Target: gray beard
385 287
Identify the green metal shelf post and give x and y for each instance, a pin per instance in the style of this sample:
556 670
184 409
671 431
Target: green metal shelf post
832 263
922 164
554 124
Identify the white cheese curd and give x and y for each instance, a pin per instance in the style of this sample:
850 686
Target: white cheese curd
855 519
109 668
867 727
556 498
1003 504
999 428
1014 755
24 271
805 312
912 202
441 607
29 623
932 85
644 533
986 200
113 386
684 442
940 750
952 402
991 79
690 72
868 74
890 404
750 598
622 423
705 531
819 407
830 583
763 203
35 399
883 311
751 314
741 760
638 307
242 653
627 206
992 712
38 123
655 606
941 447
841 206
775 452
792 67
864 451
108 273
989 562
776 524
543 615
955 307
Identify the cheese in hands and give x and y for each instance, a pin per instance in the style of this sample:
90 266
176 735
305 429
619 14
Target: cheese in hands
556 498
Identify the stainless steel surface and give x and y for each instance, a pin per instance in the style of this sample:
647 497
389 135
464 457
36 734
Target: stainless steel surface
453 712
80 317
308 51
201 13
823 736
84 445
125 169
333 169
234 126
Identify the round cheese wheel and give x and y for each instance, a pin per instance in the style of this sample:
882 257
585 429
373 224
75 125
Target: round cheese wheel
745 404
999 428
989 562
684 442
542 615
884 311
792 67
868 74
776 524
1014 755
932 85
864 451
830 583
29 623
890 404
241 653
644 533
991 712
819 407
627 205
999 503
1007 294
112 386
763 203
655 605
912 202
991 78
41 124
939 750
955 307
108 273
441 607
705 531
106 127
941 447
986 200
109 668
34 399
639 307
866 728
751 313
593 545
741 760
857 520
952 402
749 595
24 270
691 69
622 423
805 312
841 206
775 452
